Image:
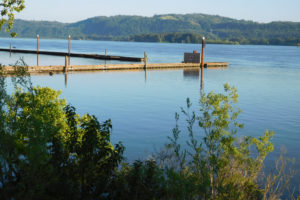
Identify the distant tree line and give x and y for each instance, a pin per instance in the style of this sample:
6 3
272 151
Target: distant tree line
197 38
187 28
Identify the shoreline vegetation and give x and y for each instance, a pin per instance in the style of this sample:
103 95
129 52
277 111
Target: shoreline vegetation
171 28
183 38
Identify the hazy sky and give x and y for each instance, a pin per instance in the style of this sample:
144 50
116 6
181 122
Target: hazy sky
75 10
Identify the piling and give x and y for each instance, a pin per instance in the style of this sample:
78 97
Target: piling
145 60
66 65
202 60
37 59
105 57
69 49
10 50
37 49
37 44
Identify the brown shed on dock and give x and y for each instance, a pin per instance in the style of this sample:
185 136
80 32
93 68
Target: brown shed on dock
192 57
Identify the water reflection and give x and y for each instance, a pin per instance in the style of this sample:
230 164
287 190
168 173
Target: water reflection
192 74
145 75
66 80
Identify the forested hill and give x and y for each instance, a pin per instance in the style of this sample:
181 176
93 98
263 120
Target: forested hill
187 28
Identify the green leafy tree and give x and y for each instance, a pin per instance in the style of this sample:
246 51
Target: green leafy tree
216 164
139 180
94 159
47 151
8 8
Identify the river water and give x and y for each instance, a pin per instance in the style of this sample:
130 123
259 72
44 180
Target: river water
142 104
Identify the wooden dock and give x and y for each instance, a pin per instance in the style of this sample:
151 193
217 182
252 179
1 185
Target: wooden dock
78 55
152 66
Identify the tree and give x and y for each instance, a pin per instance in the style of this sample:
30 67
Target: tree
8 8
47 151
216 164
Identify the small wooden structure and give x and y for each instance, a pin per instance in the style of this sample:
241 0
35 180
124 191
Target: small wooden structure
192 57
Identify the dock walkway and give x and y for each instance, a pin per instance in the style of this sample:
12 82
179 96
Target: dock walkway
78 55
158 66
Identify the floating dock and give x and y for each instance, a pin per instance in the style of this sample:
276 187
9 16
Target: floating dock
78 55
141 66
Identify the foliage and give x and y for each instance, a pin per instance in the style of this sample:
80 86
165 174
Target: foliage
47 151
140 180
177 28
8 7
216 164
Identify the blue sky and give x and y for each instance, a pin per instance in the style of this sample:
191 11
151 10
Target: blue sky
75 10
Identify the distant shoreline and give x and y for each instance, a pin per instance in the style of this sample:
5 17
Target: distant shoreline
208 41
169 28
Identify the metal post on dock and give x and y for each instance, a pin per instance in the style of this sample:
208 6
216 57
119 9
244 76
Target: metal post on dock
202 60
69 48
37 49
145 60
10 50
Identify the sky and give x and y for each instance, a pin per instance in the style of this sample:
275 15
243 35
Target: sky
76 10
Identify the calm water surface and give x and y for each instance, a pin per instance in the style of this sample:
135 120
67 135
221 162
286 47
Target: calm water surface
142 105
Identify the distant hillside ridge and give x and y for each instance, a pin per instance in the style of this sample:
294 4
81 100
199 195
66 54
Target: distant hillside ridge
188 28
